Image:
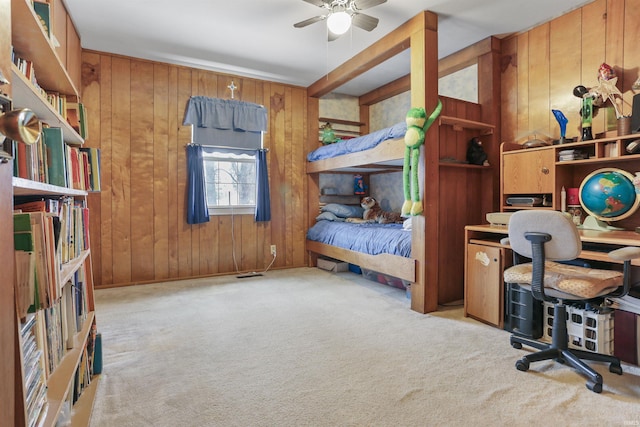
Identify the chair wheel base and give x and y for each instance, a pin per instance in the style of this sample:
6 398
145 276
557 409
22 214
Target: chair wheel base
615 368
516 345
522 365
594 387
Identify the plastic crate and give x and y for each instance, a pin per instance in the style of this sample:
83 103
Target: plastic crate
385 279
522 312
589 330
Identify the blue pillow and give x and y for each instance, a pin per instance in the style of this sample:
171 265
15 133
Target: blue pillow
343 211
328 216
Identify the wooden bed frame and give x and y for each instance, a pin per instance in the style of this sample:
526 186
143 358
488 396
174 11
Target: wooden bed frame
453 194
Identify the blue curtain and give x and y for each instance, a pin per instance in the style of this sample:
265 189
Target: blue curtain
197 211
226 122
263 200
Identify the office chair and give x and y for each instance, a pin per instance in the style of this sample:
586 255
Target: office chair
545 236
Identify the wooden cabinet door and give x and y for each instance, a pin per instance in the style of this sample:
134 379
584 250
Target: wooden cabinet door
483 299
528 172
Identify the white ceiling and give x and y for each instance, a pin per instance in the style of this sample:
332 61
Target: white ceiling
256 38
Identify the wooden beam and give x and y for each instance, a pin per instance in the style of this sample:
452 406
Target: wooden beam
448 65
467 56
385 48
425 233
396 87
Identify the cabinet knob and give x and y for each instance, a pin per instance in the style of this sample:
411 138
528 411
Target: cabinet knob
545 170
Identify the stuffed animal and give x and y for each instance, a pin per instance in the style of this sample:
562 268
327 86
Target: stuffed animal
475 153
328 135
374 213
417 126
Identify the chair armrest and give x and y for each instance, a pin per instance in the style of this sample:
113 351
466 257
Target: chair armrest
625 254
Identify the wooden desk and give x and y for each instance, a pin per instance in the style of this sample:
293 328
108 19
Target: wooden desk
486 258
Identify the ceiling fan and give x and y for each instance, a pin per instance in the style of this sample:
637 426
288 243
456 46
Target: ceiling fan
341 14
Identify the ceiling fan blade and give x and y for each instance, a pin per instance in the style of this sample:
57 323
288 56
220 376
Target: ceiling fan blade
310 21
365 22
365 4
320 3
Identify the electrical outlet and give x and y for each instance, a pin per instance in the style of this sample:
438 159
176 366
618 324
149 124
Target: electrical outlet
273 250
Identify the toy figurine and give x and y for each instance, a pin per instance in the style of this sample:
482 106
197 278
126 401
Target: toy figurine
358 185
562 121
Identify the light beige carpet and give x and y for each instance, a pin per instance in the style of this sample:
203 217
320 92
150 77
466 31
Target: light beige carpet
305 347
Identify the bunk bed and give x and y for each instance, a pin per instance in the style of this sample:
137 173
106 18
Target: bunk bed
436 261
354 243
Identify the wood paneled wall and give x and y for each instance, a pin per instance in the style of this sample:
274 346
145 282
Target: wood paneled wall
138 230
541 67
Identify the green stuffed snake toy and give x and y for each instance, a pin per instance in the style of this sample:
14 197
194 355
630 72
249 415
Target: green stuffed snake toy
417 126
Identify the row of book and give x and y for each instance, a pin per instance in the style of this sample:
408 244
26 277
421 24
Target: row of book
34 380
63 320
27 69
48 234
567 155
45 337
75 113
52 161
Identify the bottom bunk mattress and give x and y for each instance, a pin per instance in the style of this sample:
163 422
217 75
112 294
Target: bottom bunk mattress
372 239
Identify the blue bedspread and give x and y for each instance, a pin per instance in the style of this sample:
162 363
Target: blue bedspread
360 143
372 239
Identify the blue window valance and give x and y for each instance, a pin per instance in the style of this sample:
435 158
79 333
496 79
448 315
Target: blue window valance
226 122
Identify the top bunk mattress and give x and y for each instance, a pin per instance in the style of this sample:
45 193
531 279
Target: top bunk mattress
361 143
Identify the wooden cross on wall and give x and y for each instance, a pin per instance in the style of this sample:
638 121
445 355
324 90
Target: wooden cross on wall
232 87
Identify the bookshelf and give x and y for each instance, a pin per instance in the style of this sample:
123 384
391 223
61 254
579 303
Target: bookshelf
72 344
53 340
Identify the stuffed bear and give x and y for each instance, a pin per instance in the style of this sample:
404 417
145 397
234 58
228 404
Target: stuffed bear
417 126
475 153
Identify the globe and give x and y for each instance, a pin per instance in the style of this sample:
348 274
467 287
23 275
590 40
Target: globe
608 195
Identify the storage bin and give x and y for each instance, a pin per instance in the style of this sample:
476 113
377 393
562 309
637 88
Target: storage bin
522 312
589 330
385 279
333 265
355 269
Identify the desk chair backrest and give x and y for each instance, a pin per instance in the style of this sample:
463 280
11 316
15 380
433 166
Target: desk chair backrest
565 241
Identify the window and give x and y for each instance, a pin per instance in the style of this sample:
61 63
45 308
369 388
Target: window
230 182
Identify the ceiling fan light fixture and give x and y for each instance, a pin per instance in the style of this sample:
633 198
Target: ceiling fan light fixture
339 22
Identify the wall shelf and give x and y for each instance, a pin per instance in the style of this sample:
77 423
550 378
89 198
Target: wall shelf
26 187
461 124
25 95
31 43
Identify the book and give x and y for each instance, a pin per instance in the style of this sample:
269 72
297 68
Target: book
32 233
21 160
84 126
25 281
49 205
56 159
76 115
93 155
74 173
23 241
73 115
44 15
